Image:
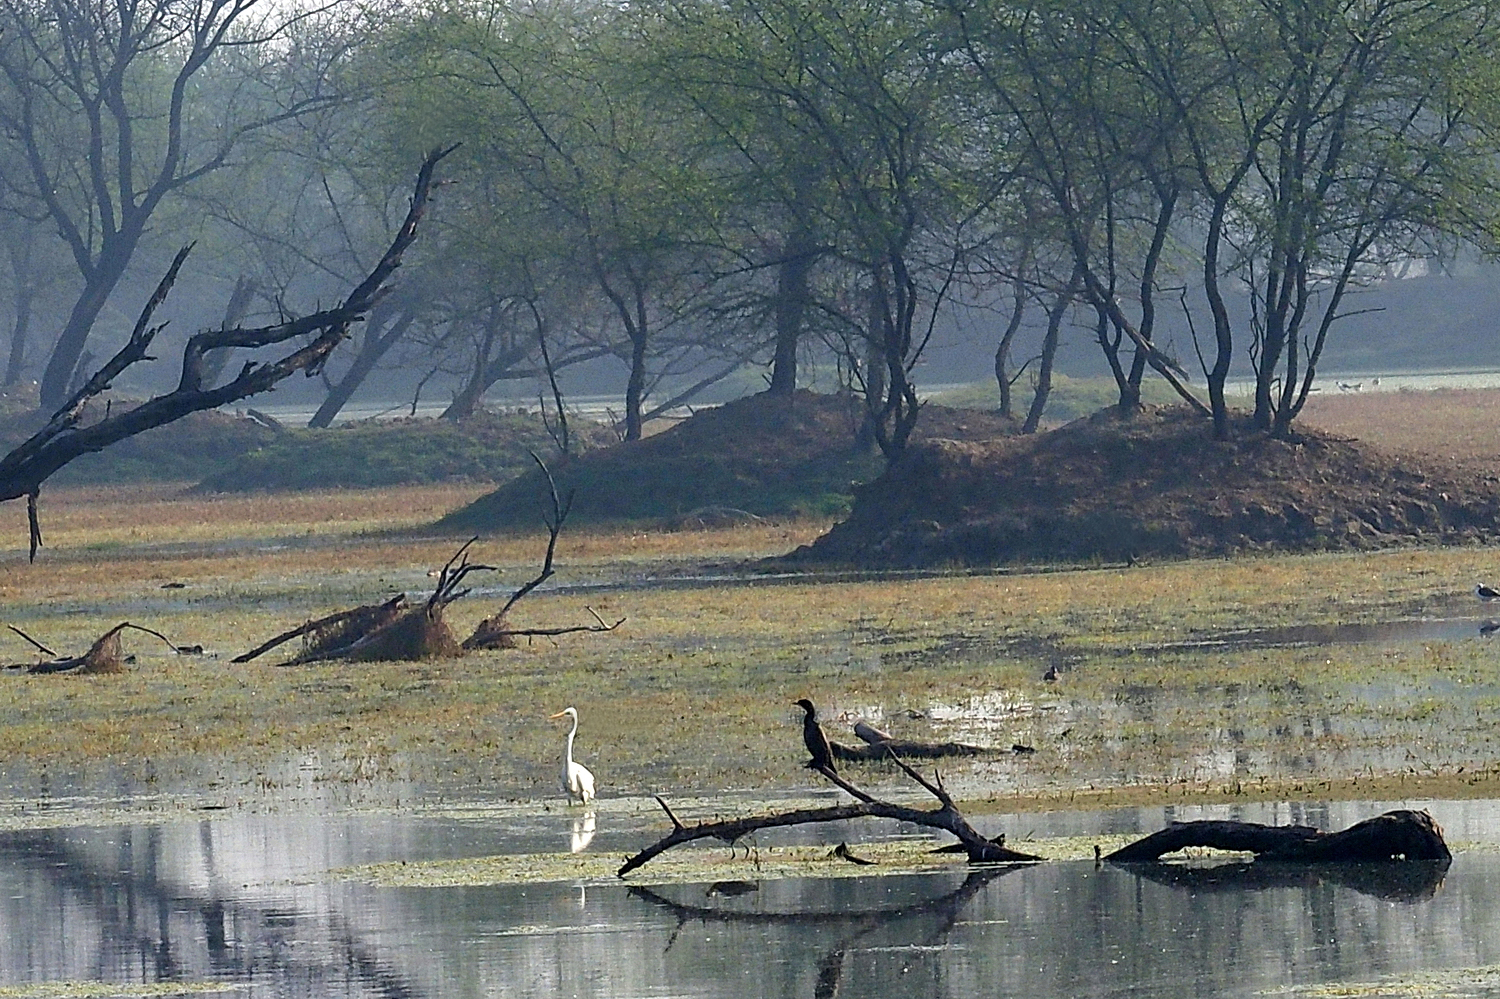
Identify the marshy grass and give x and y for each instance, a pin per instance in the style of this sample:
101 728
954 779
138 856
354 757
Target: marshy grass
692 695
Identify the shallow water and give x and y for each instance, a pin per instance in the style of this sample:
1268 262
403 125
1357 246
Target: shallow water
242 899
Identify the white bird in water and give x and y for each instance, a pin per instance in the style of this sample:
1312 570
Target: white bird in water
577 781
1486 592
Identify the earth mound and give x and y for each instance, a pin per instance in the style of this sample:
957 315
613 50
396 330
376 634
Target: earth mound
760 455
1153 485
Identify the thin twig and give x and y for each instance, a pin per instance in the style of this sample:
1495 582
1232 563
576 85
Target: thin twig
33 641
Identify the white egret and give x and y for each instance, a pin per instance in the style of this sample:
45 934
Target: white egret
577 781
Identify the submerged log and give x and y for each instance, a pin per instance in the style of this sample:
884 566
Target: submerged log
1399 835
1392 882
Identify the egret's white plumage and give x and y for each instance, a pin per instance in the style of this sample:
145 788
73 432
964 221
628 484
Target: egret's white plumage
577 781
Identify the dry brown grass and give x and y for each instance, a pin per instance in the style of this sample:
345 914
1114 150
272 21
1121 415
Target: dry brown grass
1459 424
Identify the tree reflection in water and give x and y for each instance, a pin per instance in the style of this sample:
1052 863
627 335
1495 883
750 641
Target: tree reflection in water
859 923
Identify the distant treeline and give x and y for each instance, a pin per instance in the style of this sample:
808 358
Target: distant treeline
676 194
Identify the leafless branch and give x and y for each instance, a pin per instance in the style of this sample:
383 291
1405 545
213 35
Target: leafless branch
65 438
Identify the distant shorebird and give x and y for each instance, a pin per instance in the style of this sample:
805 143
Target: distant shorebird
1486 592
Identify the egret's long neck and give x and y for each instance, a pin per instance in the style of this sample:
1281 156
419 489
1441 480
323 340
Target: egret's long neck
568 755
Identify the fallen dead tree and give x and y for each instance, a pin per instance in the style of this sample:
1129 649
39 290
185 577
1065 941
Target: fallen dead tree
1399 835
307 343
945 817
394 630
104 656
880 745
398 630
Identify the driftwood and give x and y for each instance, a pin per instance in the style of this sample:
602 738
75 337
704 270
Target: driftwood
335 630
1399 835
104 656
946 817
310 340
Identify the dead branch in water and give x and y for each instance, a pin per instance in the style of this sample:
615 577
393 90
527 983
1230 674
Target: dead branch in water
945 817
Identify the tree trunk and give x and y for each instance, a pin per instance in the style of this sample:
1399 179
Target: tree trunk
791 308
874 369
466 402
1218 375
1049 354
234 314
1002 349
25 293
635 388
371 350
101 281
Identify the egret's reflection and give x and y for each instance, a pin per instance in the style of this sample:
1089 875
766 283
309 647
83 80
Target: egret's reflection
583 832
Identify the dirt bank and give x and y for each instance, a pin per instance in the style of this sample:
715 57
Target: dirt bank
1154 486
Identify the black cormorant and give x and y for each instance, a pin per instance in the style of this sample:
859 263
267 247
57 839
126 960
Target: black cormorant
814 739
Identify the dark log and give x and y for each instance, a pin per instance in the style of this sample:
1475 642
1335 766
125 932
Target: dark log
946 817
1398 835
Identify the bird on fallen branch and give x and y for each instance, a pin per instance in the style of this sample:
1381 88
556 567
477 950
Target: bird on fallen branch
813 738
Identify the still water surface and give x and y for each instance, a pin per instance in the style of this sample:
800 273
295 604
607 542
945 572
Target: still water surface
243 899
